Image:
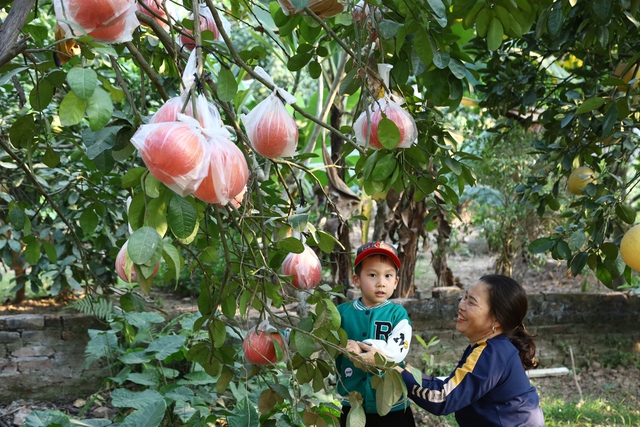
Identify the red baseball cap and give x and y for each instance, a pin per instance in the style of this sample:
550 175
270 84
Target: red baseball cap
377 248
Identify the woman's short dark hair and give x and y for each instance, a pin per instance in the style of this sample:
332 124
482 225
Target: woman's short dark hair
508 301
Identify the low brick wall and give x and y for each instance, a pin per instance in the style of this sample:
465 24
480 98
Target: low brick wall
593 325
42 356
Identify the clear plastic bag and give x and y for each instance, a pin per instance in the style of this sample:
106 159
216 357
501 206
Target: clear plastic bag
109 21
304 267
270 128
175 153
206 23
366 128
227 171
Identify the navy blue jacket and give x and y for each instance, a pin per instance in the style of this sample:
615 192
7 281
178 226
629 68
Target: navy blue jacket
488 388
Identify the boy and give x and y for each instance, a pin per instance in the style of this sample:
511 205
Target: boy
372 321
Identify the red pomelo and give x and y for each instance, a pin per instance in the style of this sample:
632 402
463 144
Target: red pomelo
172 150
227 176
259 347
305 269
273 133
120 266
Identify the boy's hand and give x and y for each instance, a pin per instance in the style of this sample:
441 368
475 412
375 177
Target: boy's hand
353 347
368 353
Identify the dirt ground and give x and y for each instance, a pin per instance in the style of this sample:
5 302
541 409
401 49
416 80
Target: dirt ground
596 381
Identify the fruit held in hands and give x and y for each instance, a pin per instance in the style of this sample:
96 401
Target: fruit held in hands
305 269
260 347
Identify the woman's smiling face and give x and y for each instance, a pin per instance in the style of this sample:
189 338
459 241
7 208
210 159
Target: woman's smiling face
474 314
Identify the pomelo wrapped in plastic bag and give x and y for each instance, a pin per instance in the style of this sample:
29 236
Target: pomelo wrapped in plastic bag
173 106
304 267
227 169
270 128
170 110
175 153
366 127
109 21
206 23
159 8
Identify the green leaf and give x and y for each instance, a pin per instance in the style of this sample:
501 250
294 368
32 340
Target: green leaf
157 215
88 221
83 82
244 414
590 105
298 61
32 253
304 344
298 222
440 11
50 158
182 217
423 47
563 250
167 345
576 240
150 415
143 244
388 133
626 213
315 70
227 85
41 95
17 218
100 141
578 262
388 28
454 165
219 333
291 244
384 167
99 109
46 418
72 109
554 22
541 245
23 131
50 250
132 177
172 257
495 34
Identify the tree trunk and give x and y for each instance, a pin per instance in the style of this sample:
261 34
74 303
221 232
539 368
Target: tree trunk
10 30
18 269
406 227
444 275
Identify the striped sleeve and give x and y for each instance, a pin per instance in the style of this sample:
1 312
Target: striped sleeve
464 386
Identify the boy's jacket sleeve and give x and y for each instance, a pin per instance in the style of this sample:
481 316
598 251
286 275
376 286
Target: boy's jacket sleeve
396 347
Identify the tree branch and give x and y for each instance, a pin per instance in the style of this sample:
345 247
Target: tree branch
11 28
239 62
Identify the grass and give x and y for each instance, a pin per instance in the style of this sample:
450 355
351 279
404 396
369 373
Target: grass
593 412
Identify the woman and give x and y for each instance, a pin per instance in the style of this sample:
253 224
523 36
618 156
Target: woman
490 386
